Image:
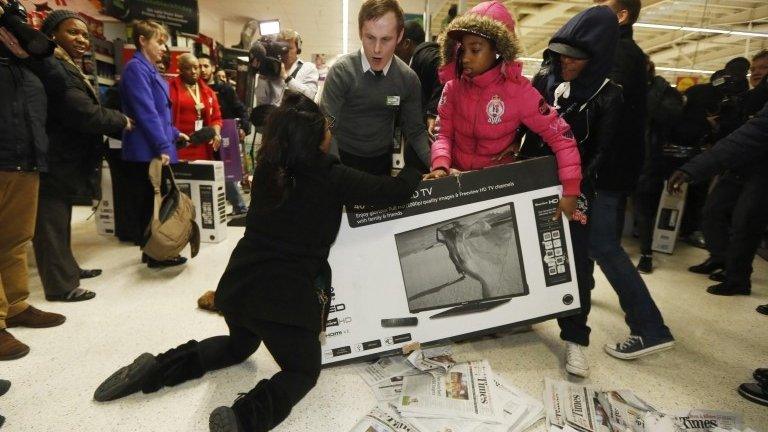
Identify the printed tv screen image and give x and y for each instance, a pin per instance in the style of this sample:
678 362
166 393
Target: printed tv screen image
471 258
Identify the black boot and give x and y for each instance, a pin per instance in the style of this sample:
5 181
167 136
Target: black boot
761 376
707 266
259 410
725 289
763 309
176 365
128 379
150 373
719 276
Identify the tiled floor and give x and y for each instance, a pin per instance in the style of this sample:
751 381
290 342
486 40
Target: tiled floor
720 341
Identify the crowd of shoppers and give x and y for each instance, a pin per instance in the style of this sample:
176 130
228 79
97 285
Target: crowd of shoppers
595 104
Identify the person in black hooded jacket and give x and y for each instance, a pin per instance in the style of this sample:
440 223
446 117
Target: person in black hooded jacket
619 178
277 286
575 81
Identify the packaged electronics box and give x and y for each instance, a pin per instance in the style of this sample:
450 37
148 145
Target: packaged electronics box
669 217
105 212
203 181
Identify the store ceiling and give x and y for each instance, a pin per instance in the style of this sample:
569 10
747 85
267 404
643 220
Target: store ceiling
539 19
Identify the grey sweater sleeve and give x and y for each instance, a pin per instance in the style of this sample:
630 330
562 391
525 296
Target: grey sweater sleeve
412 120
334 89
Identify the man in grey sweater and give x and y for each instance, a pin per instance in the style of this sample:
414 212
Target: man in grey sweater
369 92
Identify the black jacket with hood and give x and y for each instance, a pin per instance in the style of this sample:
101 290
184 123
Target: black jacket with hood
626 159
593 105
425 62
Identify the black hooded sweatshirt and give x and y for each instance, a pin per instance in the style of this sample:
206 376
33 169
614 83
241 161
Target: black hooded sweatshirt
593 106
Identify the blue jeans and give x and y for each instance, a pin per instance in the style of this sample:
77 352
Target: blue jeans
641 314
234 196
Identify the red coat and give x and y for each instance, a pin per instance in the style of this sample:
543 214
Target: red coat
184 116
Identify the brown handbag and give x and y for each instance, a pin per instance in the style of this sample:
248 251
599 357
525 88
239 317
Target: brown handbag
173 219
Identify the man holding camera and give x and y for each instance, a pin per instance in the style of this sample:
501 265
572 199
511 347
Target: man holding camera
23 151
294 74
368 91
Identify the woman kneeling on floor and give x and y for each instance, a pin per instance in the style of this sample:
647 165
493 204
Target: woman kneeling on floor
276 288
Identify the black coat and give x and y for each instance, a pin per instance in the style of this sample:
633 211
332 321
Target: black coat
425 62
23 110
622 167
273 272
594 128
742 148
76 125
231 107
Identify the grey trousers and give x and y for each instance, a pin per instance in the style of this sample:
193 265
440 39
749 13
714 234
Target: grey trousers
58 269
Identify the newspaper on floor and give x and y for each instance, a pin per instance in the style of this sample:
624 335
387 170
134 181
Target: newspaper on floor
520 411
574 405
571 406
466 392
693 421
430 359
383 419
386 368
626 412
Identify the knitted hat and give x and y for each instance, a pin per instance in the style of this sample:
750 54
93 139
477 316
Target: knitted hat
490 20
56 17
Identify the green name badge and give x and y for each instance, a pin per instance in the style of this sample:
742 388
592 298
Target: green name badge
393 100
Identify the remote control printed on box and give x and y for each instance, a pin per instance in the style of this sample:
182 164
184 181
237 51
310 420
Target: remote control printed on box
399 322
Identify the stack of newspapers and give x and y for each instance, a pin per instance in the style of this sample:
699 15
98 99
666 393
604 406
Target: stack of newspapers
576 408
429 392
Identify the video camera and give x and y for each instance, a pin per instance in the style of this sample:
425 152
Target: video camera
266 56
731 106
14 18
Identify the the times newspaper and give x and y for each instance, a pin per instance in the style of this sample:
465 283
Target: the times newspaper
587 409
466 391
476 401
383 419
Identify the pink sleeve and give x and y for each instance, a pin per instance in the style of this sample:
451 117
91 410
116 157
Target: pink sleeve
543 120
441 148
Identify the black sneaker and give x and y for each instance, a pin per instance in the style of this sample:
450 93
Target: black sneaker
634 347
128 379
707 266
645 265
153 263
723 289
223 419
754 393
763 309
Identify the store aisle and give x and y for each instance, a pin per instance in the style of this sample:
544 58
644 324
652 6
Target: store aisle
720 341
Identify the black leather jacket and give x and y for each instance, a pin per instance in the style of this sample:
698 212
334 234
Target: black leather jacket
594 127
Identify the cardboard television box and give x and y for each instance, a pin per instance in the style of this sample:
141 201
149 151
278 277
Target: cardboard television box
465 256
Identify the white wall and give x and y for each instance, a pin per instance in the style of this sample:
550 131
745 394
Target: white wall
318 21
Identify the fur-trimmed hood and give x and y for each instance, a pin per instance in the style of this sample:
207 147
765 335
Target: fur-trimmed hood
490 20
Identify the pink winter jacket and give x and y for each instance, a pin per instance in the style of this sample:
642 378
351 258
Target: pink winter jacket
479 117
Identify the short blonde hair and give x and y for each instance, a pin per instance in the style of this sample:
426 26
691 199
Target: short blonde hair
148 29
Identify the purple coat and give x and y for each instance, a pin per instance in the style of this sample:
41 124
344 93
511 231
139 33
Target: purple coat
146 100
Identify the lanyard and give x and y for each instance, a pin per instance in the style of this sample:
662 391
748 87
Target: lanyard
196 97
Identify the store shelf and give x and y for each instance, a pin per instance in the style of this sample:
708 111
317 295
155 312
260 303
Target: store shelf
107 81
104 58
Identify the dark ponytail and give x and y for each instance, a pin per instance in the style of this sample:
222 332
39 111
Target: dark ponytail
292 137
